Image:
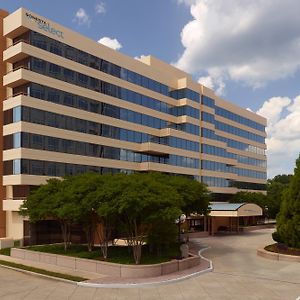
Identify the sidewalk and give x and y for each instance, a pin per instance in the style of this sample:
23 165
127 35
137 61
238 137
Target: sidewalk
51 268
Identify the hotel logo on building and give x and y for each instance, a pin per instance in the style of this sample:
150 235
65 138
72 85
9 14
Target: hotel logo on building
42 24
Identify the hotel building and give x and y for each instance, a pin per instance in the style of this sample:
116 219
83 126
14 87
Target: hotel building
71 105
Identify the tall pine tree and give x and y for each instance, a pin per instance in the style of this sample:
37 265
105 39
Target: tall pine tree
288 219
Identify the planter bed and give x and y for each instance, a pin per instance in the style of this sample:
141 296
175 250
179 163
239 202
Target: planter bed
106 268
277 256
116 254
283 250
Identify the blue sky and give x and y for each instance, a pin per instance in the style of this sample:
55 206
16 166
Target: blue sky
247 51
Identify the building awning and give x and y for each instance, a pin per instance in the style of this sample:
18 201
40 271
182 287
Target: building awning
234 210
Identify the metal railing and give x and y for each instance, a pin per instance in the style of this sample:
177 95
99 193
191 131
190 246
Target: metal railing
18 68
16 95
17 42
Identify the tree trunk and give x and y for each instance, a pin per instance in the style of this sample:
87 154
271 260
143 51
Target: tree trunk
137 253
104 249
136 242
89 227
89 236
104 237
66 232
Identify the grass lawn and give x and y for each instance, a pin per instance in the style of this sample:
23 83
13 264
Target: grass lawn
5 251
116 254
41 271
287 251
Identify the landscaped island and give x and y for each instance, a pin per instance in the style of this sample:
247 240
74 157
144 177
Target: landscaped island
144 209
118 254
287 233
282 249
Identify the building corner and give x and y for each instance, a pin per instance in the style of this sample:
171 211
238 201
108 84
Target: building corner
3 14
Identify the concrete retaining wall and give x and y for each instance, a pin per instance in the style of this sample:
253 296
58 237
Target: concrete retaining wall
105 268
6 243
277 256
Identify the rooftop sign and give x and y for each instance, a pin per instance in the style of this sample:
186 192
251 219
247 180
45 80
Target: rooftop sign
42 24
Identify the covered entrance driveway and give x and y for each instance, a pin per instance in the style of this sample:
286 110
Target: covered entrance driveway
224 217
229 216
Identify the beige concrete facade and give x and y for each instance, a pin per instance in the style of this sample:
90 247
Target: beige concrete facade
17 75
3 14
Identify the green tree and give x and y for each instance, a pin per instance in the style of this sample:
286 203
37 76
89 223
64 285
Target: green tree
80 190
162 235
275 188
195 199
111 188
195 195
144 202
51 201
249 197
41 203
288 219
283 178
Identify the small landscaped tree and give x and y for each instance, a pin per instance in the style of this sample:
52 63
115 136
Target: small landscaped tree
107 211
146 206
275 188
195 195
142 203
288 219
249 197
41 203
51 201
194 199
80 191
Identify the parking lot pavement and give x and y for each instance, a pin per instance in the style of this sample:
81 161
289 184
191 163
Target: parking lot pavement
238 274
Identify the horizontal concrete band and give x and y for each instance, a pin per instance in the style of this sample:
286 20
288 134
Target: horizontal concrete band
6 243
105 268
277 256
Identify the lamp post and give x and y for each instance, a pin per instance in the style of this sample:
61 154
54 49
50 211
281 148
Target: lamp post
266 214
181 219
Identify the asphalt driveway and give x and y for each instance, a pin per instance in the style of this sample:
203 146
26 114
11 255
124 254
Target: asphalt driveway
238 274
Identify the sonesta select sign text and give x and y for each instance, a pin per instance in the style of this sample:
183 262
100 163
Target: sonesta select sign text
44 25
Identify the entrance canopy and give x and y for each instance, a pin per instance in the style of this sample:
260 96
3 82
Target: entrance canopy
234 210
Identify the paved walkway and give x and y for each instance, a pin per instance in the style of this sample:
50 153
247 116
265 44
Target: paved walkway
52 268
239 274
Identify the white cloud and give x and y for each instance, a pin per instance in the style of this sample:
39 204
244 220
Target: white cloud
140 57
186 2
273 108
283 130
249 41
207 81
213 82
111 43
100 8
82 18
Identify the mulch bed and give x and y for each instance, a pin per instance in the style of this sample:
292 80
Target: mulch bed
282 249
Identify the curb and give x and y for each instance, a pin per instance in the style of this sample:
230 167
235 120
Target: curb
277 256
38 274
211 267
154 283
